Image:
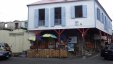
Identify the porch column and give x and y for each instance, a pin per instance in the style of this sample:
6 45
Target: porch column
100 33
59 32
83 34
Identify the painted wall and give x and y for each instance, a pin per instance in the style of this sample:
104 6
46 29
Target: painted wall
101 24
17 39
87 22
90 21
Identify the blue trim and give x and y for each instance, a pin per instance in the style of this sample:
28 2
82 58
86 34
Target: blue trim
84 10
46 17
36 18
72 12
52 17
63 16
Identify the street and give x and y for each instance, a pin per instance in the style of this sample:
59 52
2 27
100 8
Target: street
96 59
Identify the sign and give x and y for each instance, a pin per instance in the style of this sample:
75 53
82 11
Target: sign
72 40
70 47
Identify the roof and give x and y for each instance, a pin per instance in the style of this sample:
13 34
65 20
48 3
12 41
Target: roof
50 1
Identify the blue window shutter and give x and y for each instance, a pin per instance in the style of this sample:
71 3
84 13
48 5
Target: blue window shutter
72 12
63 16
98 13
84 10
103 20
100 17
46 17
36 18
52 16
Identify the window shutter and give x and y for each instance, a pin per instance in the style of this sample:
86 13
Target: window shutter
84 10
52 16
95 13
46 17
72 12
63 16
36 18
98 14
100 17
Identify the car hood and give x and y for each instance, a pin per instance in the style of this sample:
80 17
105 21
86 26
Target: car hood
3 51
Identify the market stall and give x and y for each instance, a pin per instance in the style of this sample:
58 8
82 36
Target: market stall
48 46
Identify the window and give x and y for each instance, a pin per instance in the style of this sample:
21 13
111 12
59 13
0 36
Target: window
41 17
98 14
6 25
105 20
78 11
105 23
16 25
26 24
57 16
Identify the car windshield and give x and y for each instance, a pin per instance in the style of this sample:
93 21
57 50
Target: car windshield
110 47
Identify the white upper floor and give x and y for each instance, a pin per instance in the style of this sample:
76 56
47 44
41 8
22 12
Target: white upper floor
68 14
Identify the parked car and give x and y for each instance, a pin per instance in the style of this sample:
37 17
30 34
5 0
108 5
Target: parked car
5 51
107 52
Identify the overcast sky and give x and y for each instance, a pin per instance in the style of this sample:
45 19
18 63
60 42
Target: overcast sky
17 10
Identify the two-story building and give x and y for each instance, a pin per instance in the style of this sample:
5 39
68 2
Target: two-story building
79 25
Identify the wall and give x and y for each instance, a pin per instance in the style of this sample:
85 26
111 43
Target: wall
100 24
70 23
17 39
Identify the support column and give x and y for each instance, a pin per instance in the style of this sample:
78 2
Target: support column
100 33
83 34
59 32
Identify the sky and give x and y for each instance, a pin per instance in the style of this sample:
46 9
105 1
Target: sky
11 10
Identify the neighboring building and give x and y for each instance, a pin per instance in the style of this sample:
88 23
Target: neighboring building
16 35
16 25
2 25
85 20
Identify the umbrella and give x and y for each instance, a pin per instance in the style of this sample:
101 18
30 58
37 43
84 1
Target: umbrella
32 38
49 35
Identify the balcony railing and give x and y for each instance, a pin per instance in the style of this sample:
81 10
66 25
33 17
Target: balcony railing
57 21
41 22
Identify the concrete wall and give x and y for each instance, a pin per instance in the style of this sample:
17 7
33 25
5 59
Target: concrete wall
17 39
